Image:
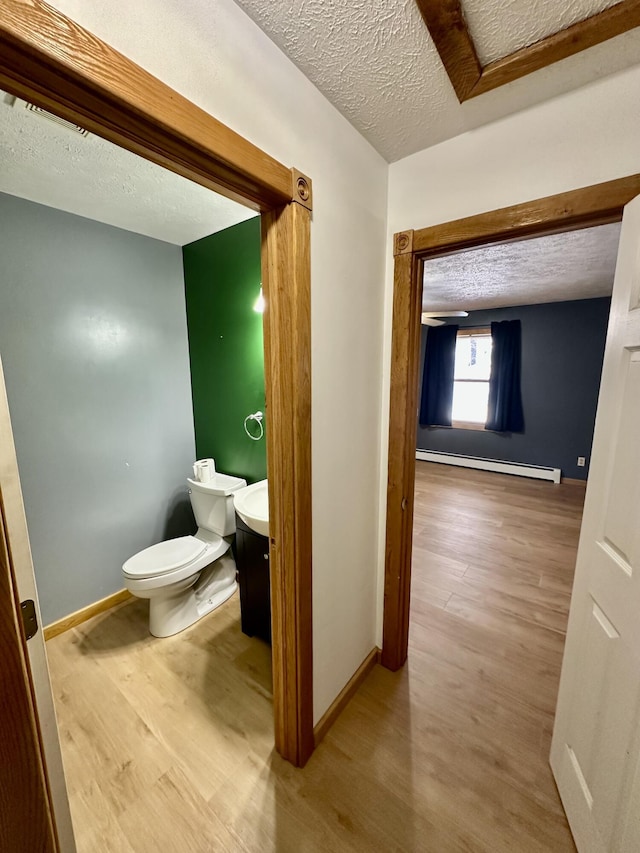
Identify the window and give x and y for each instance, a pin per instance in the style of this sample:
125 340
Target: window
471 378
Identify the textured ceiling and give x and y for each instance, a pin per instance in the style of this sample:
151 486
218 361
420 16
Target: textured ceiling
44 162
501 27
376 62
557 268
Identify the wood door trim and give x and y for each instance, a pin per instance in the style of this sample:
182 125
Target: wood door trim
448 28
582 208
287 328
26 825
407 307
50 60
47 58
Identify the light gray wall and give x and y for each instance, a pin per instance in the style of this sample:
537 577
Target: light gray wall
93 339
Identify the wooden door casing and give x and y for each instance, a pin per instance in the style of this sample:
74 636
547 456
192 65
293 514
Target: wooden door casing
568 211
26 815
50 60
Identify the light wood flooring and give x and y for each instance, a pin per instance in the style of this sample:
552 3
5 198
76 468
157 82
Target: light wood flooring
168 744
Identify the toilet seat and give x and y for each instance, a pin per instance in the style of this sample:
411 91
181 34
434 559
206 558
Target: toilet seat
174 559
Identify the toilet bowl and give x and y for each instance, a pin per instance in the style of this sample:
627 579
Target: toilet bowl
188 577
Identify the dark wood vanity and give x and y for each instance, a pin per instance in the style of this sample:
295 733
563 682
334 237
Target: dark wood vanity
252 561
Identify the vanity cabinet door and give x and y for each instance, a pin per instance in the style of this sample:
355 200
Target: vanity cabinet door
252 560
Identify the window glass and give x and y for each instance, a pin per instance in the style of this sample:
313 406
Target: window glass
473 357
470 401
472 372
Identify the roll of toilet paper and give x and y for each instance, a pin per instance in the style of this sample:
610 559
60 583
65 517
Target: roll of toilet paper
204 470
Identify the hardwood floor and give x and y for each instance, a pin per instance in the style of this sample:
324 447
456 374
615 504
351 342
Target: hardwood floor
168 744
493 564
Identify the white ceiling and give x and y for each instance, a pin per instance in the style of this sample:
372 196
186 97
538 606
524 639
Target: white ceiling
44 162
374 59
376 62
557 268
501 27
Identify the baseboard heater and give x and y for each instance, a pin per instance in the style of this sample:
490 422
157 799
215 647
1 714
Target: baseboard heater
520 470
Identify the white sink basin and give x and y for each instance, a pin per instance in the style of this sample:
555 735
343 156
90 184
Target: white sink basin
252 505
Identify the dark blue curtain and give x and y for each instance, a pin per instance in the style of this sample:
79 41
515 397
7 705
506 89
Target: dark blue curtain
505 400
437 377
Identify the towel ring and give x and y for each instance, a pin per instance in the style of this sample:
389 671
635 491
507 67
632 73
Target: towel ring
257 417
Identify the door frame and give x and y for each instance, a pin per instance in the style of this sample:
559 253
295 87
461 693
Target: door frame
48 59
29 822
598 204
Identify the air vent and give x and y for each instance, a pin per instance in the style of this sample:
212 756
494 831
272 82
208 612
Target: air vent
68 124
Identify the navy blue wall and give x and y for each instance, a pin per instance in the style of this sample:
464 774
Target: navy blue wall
562 350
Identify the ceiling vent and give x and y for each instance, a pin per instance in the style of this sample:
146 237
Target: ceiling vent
61 121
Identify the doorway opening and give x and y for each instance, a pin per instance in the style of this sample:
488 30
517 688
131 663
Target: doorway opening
130 347
577 210
494 551
51 62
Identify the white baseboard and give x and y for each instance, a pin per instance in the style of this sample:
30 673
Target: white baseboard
517 468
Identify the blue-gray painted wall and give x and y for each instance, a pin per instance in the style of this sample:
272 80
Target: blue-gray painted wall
93 339
562 351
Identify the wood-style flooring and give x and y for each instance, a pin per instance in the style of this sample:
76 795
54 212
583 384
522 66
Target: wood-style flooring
168 744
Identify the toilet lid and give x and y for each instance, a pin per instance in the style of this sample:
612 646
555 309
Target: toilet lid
164 557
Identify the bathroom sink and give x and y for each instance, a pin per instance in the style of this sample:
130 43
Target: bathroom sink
252 505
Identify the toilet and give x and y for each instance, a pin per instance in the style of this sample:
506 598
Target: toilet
186 578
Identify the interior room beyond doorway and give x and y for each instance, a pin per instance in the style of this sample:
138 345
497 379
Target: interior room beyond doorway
111 303
494 553
552 295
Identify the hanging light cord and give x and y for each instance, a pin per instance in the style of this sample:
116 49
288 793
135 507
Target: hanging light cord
257 417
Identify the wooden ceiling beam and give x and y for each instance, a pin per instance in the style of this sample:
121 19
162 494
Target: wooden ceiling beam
446 23
447 26
598 28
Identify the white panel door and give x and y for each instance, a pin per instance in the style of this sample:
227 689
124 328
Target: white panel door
596 740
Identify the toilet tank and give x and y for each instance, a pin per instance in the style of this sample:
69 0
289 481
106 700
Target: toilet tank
212 503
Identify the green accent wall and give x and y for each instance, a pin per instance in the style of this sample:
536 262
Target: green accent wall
222 282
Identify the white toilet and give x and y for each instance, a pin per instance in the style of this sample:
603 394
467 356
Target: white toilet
186 578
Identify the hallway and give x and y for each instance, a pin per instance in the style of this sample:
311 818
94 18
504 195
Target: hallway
168 744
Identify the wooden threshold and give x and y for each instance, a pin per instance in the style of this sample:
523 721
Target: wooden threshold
446 23
80 616
51 61
581 208
342 699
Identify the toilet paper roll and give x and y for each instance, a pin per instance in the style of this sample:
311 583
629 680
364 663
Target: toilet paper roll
204 470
